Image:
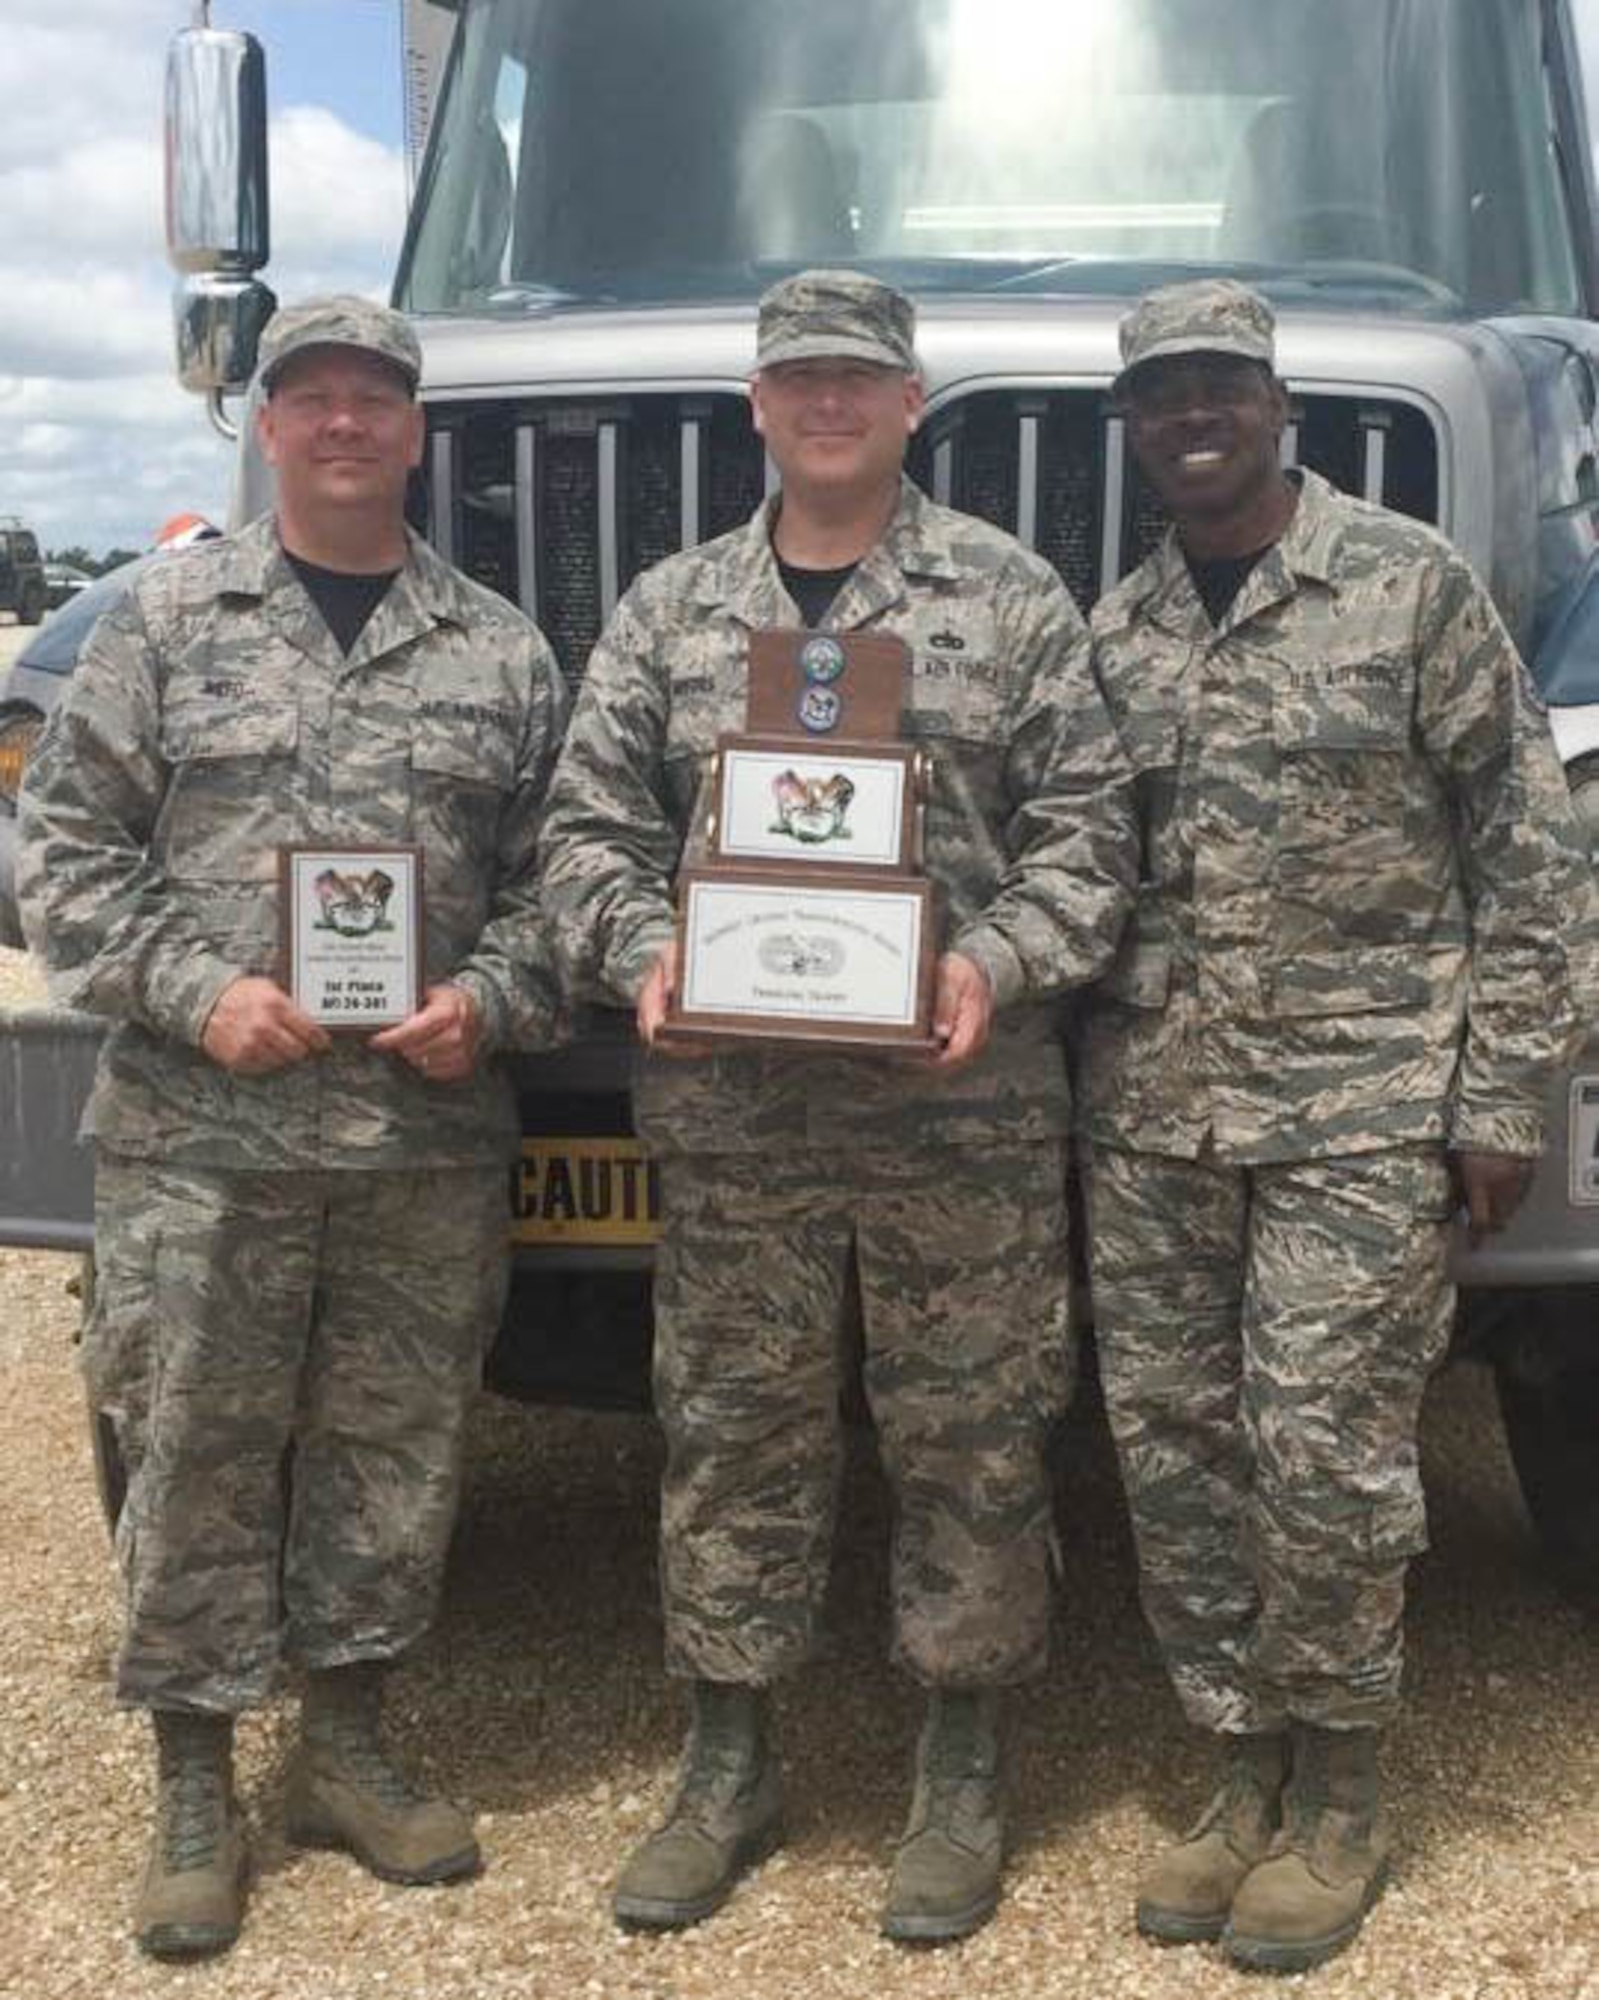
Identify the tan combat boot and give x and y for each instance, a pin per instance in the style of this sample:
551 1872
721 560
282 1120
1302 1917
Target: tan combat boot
1326 1868
1187 1891
191 1902
726 1814
945 1882
344 1791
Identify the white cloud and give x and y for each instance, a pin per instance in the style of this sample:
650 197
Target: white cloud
84 66
1586 15
336 193
58 326
98 444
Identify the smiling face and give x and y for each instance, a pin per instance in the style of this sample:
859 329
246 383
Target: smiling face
836 427
1205 429
342 431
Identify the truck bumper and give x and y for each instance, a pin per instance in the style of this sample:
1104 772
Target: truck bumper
47 1063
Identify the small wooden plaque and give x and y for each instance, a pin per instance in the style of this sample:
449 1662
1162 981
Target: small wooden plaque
350 939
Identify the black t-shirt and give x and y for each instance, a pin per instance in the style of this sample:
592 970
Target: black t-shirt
345 601
1220 579
813 590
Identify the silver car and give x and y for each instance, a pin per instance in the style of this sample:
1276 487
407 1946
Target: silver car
28 693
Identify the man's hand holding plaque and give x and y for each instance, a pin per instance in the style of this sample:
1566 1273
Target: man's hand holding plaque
255 1028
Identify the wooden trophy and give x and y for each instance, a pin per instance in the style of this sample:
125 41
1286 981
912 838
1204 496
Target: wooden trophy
812 919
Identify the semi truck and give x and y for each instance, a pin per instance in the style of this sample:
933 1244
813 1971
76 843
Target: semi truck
606 187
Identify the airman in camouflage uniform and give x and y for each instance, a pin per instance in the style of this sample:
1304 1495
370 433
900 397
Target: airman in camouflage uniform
1346 975
940 1183
301 1240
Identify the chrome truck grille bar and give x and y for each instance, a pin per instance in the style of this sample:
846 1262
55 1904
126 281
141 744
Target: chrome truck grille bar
559 503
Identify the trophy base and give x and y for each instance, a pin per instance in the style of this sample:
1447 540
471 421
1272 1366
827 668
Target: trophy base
903 1044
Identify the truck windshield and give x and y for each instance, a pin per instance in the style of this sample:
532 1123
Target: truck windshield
670 150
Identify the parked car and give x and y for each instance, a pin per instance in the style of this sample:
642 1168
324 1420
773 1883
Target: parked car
22 580
28 692
61 582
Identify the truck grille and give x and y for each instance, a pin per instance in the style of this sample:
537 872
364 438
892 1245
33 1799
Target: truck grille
558 504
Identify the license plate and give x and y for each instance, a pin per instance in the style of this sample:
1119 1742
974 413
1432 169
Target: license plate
592 1191
1584 1127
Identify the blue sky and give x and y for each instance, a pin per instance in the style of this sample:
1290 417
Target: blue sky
344 54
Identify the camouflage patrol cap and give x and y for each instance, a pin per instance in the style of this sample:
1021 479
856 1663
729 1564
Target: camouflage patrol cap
836 315
339 320
1206 316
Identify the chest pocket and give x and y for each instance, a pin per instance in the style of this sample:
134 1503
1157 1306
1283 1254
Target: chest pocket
1342 706
480 755
708 697
199 732
463 770
230 798
1352 873
959 684
958 698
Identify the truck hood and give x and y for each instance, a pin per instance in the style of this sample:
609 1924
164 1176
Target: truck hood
994 337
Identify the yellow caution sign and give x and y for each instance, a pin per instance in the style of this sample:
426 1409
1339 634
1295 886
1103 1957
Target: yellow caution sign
590 1191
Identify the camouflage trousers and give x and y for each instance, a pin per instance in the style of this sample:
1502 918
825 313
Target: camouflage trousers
962 1264
1265 1335
286 1361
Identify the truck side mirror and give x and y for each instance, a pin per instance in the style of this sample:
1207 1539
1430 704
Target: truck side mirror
218 231
219 319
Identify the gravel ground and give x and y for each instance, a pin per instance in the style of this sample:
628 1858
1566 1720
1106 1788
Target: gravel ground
539 1701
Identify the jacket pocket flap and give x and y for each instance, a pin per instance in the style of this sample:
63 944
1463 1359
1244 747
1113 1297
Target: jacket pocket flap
191 734
1370 979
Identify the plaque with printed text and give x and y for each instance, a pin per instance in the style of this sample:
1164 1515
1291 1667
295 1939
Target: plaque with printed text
350 922
811 919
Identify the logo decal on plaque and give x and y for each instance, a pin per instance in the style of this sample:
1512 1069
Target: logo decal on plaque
802 957
354 905
820 709
822 660
812 809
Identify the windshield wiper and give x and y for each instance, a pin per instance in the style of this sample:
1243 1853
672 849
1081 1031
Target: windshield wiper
1117 276
1033 274
533 297
1130 275
1347 276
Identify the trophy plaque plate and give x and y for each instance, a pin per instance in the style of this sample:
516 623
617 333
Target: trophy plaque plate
350 933
805 957
851 804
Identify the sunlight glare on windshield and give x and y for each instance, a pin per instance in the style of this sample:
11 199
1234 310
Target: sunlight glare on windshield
1026 150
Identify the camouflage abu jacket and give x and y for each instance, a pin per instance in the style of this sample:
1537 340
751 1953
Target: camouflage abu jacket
213 716
1361 869
1029 827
